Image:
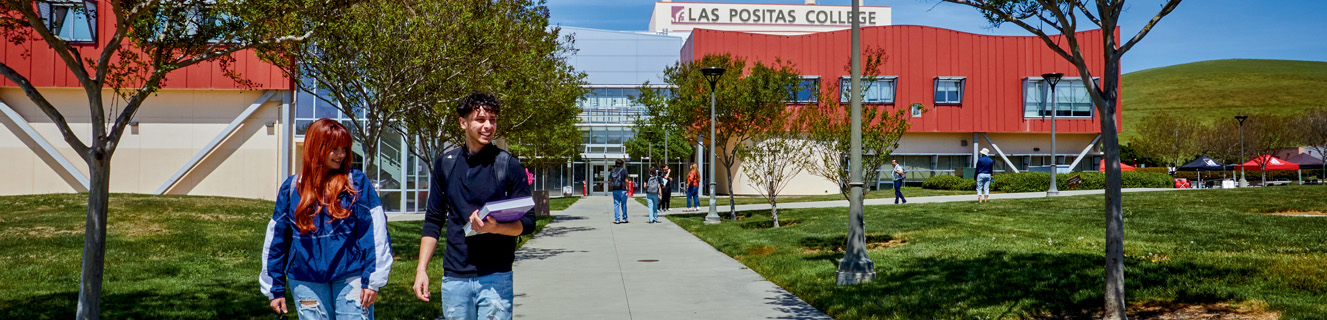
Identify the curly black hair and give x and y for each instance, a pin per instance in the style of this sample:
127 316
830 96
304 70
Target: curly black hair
476 101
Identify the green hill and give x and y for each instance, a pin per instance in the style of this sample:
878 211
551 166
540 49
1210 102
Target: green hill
1220 89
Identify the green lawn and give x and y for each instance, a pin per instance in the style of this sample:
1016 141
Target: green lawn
167 257
562 203
1217 90
1043 258
679 200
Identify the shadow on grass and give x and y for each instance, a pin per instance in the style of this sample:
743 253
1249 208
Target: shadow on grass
216 300
1014 285
792 307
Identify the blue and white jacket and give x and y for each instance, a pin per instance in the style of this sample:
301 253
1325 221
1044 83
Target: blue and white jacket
355 246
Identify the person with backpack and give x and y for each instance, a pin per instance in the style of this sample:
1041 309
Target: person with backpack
653 188
327 243
618 180
899 175
477 270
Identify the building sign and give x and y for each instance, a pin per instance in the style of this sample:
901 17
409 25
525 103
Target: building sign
707 14
776 18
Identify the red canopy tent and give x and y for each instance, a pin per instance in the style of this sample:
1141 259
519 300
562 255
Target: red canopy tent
1273 163
1123 167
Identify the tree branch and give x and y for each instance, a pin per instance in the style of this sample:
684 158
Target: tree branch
1165 10
46 107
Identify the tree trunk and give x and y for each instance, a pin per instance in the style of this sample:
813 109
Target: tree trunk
732 204
94 237
1115 303
774 211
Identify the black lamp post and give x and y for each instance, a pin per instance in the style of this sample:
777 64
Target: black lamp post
1052 79
712 75
1242 182
650 140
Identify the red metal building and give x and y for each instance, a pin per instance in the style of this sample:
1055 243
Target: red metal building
999 104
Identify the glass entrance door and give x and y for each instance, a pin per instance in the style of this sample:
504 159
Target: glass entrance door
601 173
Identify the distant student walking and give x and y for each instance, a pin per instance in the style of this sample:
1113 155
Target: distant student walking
984 170
653 190
899 175
693 189
618 180
666 197
327 242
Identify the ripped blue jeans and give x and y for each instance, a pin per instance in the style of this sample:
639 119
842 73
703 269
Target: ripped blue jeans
484 297
336 300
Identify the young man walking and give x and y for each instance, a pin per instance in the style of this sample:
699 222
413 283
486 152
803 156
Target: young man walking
984 170
477 278
899 175
618 180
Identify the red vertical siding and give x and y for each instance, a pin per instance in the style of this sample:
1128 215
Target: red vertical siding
994 67
45 69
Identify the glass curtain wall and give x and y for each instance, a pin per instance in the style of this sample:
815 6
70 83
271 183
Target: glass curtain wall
401 179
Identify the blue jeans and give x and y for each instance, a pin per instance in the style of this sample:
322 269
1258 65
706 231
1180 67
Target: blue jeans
693 197
984 184
653 200
337 300
619 205
898 191
488 296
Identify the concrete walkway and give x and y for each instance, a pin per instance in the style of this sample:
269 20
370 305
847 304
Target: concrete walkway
582 266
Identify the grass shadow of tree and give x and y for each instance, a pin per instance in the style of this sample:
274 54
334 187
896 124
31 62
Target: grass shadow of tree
1022 285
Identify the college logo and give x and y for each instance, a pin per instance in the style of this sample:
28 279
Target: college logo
678 14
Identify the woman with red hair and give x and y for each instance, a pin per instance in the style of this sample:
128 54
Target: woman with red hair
327 241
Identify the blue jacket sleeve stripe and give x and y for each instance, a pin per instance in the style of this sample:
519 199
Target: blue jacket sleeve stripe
276 245
382 251
374 240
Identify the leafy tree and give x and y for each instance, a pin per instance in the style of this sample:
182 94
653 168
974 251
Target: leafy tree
655 136
1171 139
1220 142
380 62
1267 134
505 48
829 126
1312 128
772 160
747 100
148 40
1039 16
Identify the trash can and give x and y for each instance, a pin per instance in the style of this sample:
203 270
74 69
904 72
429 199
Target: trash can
971 173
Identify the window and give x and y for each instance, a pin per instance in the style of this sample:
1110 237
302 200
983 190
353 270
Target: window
949 90
917 111
806 91
878 90
1071 98
73 21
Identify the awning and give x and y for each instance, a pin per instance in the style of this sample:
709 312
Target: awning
1273 163
1123 167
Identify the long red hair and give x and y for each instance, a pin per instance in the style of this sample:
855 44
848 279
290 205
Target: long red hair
319 186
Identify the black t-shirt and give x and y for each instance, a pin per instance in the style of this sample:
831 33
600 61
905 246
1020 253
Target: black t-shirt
469 185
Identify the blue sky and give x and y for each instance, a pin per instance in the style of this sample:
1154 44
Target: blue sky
1197 30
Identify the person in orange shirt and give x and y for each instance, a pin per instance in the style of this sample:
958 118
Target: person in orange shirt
693 188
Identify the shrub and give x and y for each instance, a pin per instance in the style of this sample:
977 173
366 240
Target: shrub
948 182
1037 181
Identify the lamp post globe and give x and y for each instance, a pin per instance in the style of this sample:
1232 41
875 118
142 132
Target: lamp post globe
1242 160
712 75
1052 79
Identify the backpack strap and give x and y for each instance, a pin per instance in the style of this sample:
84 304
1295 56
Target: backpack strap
500 170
